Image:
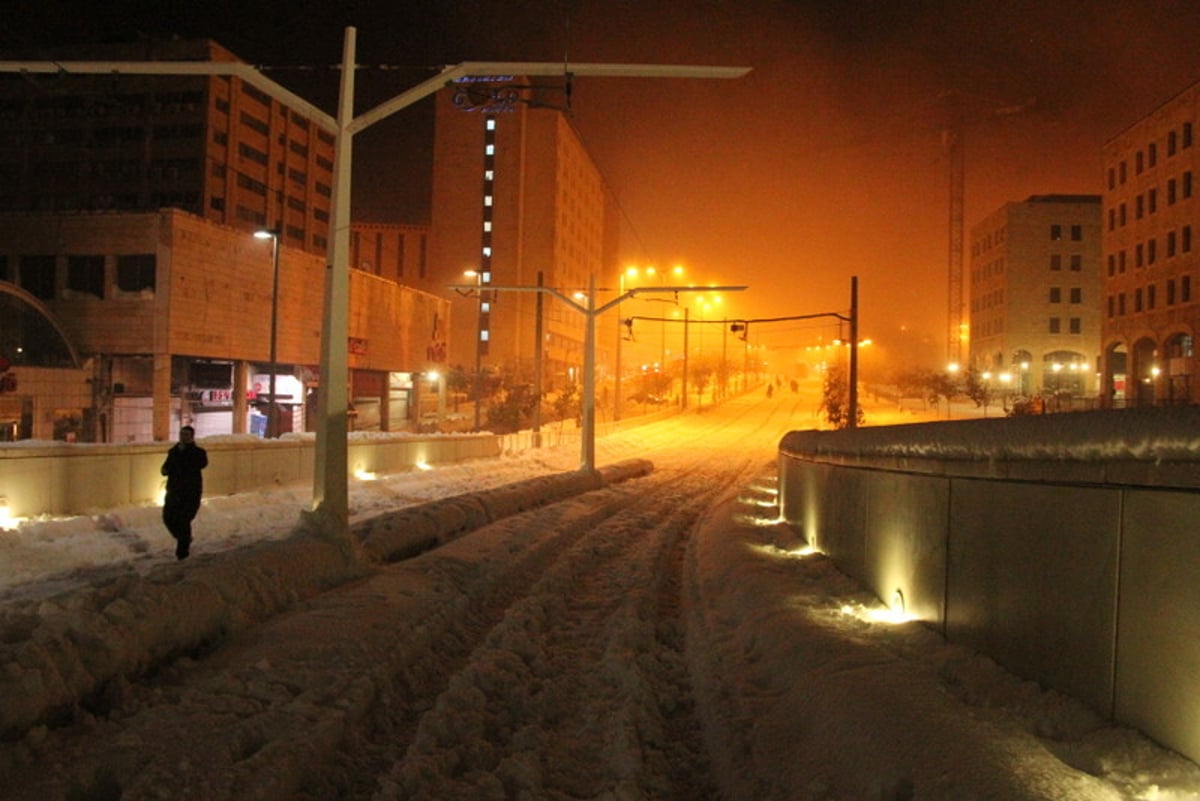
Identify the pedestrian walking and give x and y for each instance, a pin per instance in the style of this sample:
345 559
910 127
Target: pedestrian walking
185 485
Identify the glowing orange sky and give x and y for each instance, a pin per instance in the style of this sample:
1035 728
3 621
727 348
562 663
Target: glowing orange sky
825 162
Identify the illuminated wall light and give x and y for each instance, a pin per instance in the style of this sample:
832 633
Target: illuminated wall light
363 475
6 517
423 465
490 150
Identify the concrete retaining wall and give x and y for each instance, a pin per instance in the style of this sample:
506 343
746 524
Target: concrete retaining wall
1079 573
64 479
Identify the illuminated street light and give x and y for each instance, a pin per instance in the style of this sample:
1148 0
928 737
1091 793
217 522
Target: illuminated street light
272 408
586 304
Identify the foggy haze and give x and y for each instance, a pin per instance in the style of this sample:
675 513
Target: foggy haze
826 161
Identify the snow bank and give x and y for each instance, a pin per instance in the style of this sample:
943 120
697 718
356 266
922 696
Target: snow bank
1156 446
67 650
802 698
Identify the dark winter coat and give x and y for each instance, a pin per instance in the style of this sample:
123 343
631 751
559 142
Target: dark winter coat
185 483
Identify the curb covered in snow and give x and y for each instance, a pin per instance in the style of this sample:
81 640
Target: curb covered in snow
68 651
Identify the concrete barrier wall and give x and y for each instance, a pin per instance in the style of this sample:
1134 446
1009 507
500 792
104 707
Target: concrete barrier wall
1059 573
65 479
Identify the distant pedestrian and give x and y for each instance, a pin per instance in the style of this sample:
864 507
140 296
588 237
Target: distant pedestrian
185 485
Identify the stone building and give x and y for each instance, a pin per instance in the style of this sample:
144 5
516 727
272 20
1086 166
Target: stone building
1035 297
1151 216
172 314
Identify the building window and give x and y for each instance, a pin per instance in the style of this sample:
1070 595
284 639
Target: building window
1076 262
1076 233
1112 219
1121 215
1138 163
136 272
246 182
1170 291
1139 207
1152 200
1075 325
1112 178
1139 255
257 94
1172 143
1056 232
255 124
1121 262
37 276
1121 304
251 153
1055 262
1187 184
86 274
1152 154
1150 296
1122 172
1187 134
1171 237
1055 325
1076 294
1112 264
1137 300
1185 239
1112 306
1151 250
1055 294
1185 289
1171 192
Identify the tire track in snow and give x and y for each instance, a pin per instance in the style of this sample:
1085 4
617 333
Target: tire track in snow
592 654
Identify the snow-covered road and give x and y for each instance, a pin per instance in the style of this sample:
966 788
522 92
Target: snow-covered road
661 637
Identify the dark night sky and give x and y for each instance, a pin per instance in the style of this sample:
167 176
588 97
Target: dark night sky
825 162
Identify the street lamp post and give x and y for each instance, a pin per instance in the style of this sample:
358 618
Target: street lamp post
478 276
272 408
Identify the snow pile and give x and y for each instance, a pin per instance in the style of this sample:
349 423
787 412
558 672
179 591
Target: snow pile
70 647
1153 434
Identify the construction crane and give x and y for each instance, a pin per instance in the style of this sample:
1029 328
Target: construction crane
952 141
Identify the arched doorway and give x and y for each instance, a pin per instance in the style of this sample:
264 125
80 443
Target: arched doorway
1064 375
1116 376
1022 365
1178 385
1145 372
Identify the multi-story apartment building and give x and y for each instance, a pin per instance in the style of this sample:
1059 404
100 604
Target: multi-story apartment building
214 146
1151 216
1035 296
515 195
